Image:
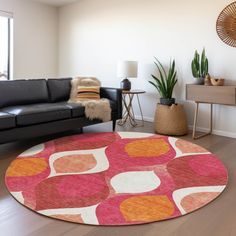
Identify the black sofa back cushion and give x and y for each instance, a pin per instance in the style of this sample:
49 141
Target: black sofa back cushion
21 92
59 89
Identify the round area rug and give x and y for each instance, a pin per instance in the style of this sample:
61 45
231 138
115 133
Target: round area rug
119 178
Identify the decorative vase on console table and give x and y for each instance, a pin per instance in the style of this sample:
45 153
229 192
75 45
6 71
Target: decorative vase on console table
207 81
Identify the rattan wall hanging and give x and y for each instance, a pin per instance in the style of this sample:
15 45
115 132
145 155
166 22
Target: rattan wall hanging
226 25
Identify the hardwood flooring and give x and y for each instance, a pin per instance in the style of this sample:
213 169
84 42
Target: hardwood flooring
217 218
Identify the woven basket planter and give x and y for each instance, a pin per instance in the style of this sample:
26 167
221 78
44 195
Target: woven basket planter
170 120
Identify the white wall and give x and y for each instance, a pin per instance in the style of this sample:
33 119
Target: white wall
95 34
35 38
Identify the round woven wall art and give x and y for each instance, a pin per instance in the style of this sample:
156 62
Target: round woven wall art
226 25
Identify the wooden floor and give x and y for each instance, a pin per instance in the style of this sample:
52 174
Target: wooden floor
218 218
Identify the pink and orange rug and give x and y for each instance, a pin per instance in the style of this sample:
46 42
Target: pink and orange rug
115 178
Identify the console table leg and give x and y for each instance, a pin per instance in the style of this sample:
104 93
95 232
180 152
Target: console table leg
195 122
211 119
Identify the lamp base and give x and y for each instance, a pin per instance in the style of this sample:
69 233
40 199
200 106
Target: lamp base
125 84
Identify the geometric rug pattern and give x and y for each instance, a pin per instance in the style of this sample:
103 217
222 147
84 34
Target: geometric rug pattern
120 178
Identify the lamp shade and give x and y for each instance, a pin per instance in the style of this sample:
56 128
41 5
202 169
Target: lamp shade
127 69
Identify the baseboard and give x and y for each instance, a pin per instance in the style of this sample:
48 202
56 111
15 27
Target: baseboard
199 129
148 119
215 131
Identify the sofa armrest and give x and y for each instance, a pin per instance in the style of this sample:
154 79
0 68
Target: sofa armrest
115 95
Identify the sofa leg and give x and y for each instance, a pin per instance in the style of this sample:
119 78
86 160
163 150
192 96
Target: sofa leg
114 125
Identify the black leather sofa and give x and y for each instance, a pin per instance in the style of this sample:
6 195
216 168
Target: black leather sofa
33 108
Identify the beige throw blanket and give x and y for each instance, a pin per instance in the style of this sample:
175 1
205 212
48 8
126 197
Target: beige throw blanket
94 109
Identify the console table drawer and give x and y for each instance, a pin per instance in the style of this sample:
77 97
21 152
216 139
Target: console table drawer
225 95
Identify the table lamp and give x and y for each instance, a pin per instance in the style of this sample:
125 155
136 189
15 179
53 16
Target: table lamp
125 70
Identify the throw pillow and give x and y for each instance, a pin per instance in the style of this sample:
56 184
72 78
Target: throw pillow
82 81
88 93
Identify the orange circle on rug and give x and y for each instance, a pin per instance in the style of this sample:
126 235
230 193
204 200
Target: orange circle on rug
121 178
147 148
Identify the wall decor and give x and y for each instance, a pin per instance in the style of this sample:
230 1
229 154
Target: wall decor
226 25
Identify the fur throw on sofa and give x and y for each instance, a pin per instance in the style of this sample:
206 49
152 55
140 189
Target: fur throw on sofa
94 109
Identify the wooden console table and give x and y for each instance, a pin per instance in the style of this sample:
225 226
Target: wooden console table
222 95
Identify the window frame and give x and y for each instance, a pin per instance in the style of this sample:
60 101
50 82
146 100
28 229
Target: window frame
9 50
9 17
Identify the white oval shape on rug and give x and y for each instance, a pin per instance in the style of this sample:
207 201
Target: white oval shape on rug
135 182
33 151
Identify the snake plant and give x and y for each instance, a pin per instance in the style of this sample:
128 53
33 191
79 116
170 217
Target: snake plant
200 66
166 81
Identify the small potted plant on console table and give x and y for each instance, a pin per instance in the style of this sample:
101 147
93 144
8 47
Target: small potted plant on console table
199 67
170 118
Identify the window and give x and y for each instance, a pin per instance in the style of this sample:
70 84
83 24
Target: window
6 32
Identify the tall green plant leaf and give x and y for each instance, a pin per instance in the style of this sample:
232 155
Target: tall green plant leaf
203 60
166 81
159 85
161 66
199 65
162 77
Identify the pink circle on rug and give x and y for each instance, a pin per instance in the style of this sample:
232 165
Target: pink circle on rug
122 178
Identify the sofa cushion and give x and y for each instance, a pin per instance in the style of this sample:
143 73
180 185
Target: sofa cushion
7 121
20 92
77 110
59 89
38 113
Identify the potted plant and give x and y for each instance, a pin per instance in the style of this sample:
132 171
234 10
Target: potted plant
165 82
199 67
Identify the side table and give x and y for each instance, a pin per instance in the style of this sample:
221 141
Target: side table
128 112
221 95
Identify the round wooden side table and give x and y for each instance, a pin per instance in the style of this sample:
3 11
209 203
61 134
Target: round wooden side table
128 112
